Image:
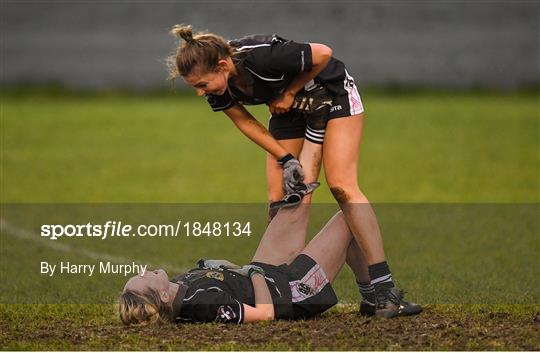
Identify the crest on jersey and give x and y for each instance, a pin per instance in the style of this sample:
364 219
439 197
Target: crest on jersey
225 313
305 289
215 275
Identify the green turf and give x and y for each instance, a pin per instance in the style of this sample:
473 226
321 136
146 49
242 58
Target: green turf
454 178
451 253
424 147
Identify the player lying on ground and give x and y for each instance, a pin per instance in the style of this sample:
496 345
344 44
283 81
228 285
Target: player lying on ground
275 285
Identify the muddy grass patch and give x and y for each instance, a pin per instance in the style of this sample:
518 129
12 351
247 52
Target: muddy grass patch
438 328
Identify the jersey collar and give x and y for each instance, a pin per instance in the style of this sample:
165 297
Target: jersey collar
245 75
179 300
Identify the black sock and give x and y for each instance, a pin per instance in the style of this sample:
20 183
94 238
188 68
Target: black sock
367 291
380 275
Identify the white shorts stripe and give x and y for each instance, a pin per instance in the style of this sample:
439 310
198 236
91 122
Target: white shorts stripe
319 133
317 141
314 138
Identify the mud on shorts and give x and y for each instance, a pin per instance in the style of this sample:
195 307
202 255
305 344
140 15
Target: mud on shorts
292 124
308 290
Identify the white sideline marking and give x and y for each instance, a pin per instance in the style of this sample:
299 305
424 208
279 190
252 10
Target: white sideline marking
12 230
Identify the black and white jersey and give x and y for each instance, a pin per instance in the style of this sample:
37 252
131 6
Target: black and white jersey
214 295
219 295
267 64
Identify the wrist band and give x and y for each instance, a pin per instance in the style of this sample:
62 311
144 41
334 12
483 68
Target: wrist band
254 270
285 159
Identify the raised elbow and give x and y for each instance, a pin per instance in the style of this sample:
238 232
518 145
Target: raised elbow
327 52
321 53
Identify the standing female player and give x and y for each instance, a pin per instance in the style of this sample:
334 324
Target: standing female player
267 69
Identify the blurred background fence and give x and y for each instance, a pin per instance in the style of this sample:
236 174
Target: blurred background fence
427 44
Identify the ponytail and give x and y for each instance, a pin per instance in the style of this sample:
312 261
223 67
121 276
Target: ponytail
143 308
201 51
183 31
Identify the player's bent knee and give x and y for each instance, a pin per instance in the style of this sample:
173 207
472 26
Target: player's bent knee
343 191
340 194
293 254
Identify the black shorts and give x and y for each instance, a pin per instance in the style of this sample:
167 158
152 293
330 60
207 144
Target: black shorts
305 286
346 102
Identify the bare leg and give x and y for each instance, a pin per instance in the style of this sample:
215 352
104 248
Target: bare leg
310 159
285 236
329 248
335 245
340 155
330 245
357 262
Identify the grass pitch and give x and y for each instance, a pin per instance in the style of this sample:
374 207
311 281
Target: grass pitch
454 179
423 147
95 327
